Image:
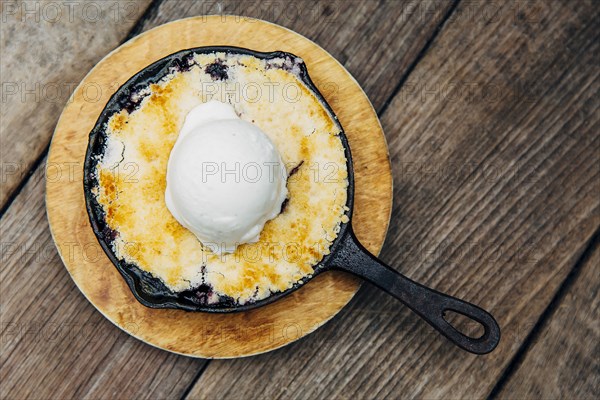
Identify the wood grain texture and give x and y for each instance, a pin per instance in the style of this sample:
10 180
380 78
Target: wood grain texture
54 344
47 48
562 362
494 200
205 334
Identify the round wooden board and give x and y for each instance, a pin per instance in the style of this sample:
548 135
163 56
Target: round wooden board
202 334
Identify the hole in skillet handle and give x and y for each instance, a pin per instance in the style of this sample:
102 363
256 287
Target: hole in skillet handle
429 304
464 324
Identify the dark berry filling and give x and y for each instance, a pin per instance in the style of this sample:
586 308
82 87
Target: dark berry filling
217 70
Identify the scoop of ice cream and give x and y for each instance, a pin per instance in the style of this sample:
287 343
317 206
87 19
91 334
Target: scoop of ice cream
225 178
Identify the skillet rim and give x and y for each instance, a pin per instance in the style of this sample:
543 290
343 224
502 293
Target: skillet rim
151 291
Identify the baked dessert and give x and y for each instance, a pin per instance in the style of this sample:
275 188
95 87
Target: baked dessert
127 169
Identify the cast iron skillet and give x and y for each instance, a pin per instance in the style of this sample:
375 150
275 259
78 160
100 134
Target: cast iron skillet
346 253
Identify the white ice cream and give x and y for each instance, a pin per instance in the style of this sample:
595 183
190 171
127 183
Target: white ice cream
225 178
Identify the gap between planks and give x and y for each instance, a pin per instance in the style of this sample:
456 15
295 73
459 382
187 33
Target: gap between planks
548 313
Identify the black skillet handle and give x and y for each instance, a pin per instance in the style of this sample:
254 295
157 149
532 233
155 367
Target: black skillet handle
427 303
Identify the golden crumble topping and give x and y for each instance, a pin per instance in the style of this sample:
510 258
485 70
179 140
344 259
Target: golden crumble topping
132 179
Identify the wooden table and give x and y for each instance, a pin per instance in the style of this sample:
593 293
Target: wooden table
491 116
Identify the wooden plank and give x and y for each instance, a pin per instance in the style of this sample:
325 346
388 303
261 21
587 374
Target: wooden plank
54 343
107 363
495 198
47 48
562 362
